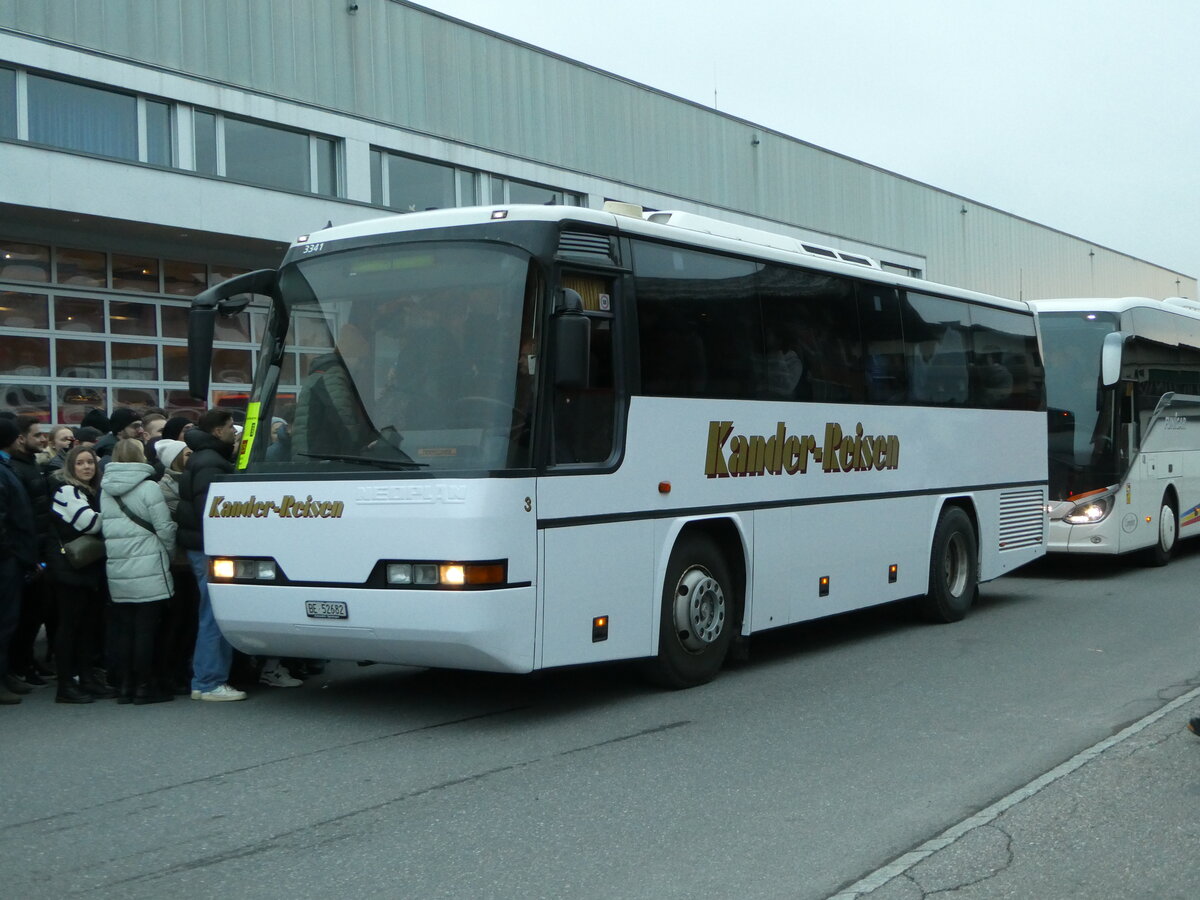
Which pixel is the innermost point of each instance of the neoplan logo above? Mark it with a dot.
(736, 455)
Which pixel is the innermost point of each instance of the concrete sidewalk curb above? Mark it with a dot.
(907, 861)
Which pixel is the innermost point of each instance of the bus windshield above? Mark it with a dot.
(1084, 452)
(417, 356)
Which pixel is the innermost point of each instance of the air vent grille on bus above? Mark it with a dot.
(579, 243)
(1022, 519)
(860, 260)
(819, 251)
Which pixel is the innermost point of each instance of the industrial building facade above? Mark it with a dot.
(150, 148)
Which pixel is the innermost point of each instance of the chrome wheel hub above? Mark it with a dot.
(699, 609)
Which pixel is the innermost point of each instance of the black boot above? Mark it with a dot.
(97, 689)
(150, 692)
(125, 691)
(70, 692)
(16, 685)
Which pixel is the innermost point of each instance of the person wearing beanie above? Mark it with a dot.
(18, 553)
(86, 436)
(168, 454)
(123, 423)
(95, 418)
(176, 427)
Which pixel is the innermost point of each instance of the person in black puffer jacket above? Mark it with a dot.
(18, 556)
(211, 442)
(36, 599)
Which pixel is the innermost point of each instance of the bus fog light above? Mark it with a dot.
(425, 573)
(224, 568)
(265, 570)
(400, 573)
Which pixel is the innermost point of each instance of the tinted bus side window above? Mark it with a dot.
(937, 345)
(883, 343)
(699, 329)
(1007, 373)
(813, 346)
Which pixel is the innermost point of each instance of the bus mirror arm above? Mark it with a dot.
(227, 298)
(1110, 357)
(572, 341)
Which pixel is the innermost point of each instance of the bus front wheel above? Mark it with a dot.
(699, 615)
(953, 569)
(1168, 534)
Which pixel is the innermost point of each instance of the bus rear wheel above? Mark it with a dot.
(953, 569)
(1168, 534)
(699, 615)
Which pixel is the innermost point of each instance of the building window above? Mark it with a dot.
(134, 273)
(18, 310)
(184, 279)
(24, 262)
(899, 269)
(508, 190)
(204, 125)
(413, 184)
(410, 184)
(110, 329)
(258, 153)
(264, 155)
(78, 117)
(158, 133)
(84, 268)
(8, 103)
(324, 165)
(468, 188)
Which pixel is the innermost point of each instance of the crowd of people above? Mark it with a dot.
(102, 547)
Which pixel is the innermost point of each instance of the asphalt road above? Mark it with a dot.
(838, 747)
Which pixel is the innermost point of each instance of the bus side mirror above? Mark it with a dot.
(1110, 358)
(227, 298)
(572, 341)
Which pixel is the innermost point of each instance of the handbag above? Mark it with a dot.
(84, 550)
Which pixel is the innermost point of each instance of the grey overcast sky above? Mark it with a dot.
(1083, 115)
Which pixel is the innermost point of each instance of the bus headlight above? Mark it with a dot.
(447, 574)
(1090, 512)
(223, 568)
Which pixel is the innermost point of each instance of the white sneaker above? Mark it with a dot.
(278, 676)
(221, 692)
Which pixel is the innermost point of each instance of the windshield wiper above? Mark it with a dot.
(369, 460)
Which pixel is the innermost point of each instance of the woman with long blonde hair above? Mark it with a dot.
(79, 592)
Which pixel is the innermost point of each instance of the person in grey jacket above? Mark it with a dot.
(139, 538)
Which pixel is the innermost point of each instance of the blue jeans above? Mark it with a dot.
(213, 654)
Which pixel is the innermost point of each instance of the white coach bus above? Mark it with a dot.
(529, 437)
(1123, 390)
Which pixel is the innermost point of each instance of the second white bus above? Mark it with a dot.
(1123, 389)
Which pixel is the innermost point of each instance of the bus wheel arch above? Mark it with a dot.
(953, 564)
(703, 598)
(1160, 552)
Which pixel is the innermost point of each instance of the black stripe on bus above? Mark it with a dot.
(608, 518)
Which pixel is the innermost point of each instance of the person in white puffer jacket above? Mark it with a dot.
(139, 537)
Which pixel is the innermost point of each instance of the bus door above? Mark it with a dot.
(596, 562)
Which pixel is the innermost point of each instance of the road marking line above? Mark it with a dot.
(902, 864)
